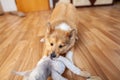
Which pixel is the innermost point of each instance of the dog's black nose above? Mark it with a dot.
(52, 55)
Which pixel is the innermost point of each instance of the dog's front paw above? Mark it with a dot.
(94, 78)
(85, 74)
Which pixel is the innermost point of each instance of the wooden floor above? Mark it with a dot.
(97, 50)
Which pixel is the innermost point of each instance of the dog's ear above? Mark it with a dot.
(72, 39)
(72, 34)
(49, 28)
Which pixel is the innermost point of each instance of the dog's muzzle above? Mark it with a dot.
(52, 55)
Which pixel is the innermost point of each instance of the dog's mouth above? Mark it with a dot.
(52, 55)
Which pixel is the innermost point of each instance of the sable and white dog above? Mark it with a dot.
(61, 32)
(60, 38)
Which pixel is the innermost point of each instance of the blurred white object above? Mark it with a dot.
(66, 1)
(81, 2)
(98, 2)
(8, 5)
(51, 3)
(1, 10)
(42, 40)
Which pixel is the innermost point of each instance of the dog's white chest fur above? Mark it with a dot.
(63, 26)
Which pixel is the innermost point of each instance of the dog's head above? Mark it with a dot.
(58, 41)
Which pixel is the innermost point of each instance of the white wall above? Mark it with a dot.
(8, 5)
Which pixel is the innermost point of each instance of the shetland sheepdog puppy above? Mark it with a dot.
(61, 33)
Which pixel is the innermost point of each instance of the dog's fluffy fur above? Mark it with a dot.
(62, 29)
(61, 32)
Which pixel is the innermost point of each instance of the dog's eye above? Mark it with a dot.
(60, 46)
(51, 44)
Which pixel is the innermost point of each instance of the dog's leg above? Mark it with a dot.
(94, 78)
(57, 76)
